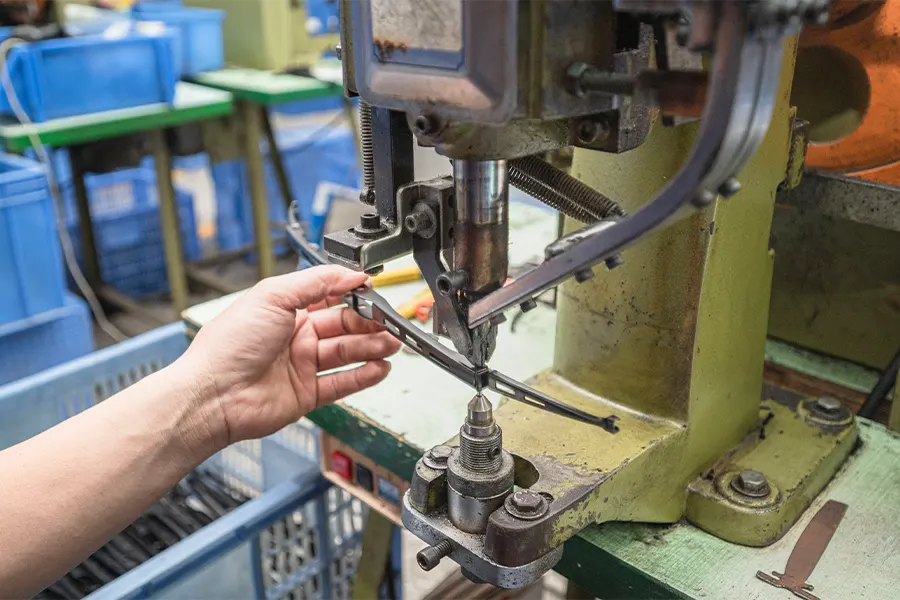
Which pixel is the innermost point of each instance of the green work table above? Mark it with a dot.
(419, 406)
(254, 91)
(192, 103)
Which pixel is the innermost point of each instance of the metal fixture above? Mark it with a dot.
(480, 473)
(430, 557)
(751, 483)
(829, 406)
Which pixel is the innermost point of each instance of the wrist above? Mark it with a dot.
(196, 403)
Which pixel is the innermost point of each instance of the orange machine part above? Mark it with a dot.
(870, 32)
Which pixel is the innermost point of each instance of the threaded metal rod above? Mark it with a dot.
(367, 146)
(561, 191)
(482, 455)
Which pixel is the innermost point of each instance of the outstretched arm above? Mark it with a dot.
(250, 372)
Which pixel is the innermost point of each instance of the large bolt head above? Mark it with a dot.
(526, 502)
(828, 405)
(440, 454)
(751, 483)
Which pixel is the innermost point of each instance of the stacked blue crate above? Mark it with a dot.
(72, 76)
(127, 230)
(197, 34)
(40, 325)
(310, 156)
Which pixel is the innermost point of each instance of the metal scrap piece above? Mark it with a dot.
(807, 552)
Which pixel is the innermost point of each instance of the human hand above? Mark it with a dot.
(257, 364)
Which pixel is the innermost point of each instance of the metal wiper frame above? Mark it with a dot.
(369, 304)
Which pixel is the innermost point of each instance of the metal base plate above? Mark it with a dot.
(468, 550)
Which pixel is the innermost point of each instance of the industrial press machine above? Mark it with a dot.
(680, 115)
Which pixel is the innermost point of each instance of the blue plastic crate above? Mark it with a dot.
(197, 34)
(310, 156)
(30, 345)
(322, 17)
(73, 76)
(127, 231)
(31, 275)
(297, 536)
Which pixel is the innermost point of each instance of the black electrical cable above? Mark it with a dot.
(882, 388)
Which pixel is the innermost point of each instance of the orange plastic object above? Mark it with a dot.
(869, 31)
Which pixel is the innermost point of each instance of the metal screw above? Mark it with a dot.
(416, 222)
(704, 198)
(425, 125)
(751, 483)
(430, 557)
(573, 78)
(339, 52)
(584, 275)
(529, 304)
(590, 131)
(451, 282)
(526, 504)
(440, 454)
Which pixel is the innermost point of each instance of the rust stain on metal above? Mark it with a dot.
(385, 49)
(806, 554)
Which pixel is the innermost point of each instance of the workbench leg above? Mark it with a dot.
(376, 550)
(169, 222)
(89, 260)
(252, 117)
(284, 185)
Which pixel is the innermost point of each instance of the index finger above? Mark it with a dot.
(300, 289)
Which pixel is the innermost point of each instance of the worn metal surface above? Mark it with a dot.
(836, 286)
(809, 549)
(796, 449)
(469, 553)
(848, 198)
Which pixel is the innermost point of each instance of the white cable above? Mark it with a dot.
(59, 209)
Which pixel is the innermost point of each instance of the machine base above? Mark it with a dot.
(798, 449)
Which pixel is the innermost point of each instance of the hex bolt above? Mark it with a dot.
(751, 483)
(829, 408)
(525, 504)
(528, 305)
(440, 454)
(584, 275)
(416, 222)
(703, 199)
(430, 557)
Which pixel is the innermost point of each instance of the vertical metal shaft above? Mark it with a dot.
(367, 149)
(481, 233)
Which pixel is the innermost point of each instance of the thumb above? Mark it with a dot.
(297, 290)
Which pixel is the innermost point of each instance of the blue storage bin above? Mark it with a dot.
(31, 273)
(298, 537)
(197, 41)
(127, 231)
(310, 156)
(73, 76)
(30, 345)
